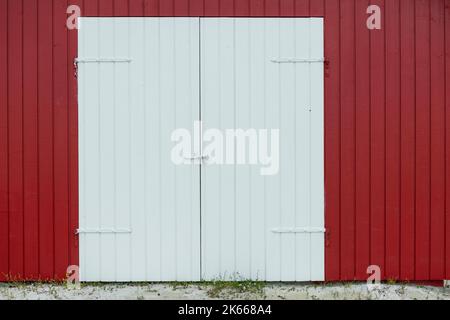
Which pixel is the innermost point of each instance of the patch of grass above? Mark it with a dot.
(182, 285)
(219, 287)
(216, 288)
(391, 281)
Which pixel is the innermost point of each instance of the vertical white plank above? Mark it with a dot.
(182, 104)
(122, 150)
(287, 148)
(106, 156)
(225, 81)
(187, 109)
(91, 150)
(210, 114)
(194, 94)
(272, 98)
(302, 149)
(82, 149)
(258, 106)
(317, 151)
(153, 175)
(168, 219)
(242, 121)
(138, 165)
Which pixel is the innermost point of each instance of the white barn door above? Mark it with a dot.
(139, 212)
(145, 218)
(264, 74)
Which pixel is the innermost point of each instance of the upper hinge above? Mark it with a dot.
(295, 60)
(97, 60)
(299, 230)
(101, 60)
(78, 231)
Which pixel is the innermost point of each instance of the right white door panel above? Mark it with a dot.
(253, 226)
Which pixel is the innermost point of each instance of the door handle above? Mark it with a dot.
(201, 158)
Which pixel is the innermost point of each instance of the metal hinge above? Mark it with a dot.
(97, 60)
(102, 231)
(101, 60)
(299, 230)
(295, 60)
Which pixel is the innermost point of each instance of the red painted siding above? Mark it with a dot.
(387, 131)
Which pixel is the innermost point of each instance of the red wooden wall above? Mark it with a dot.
(387, 148)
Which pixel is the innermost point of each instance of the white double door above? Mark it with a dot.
(143, 217)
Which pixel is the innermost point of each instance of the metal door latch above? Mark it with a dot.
(198, 158)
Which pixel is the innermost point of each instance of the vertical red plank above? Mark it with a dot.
(317, 8)
(437, 32)
(407, 144)
(347, 12)
(332, 140)
(422, 140)
(362, 143)
(30, 142)
(4, 194)
(196, 8)
(15, 134)
(447, 139)
(212, 8)
(287, 7)
(45, 140)
(166, 8)
(121, 7)
(151, 8)
(242, 8)
(272, 8)
(257, 8)
(181, 8)
(377, 154)
(60, 135)
(226, 8)
(392, 25)
(106, 8)
(300, 8)
(73, 138)
(91, 8)
(137, 7)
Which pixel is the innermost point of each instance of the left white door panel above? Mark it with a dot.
(138, 80)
